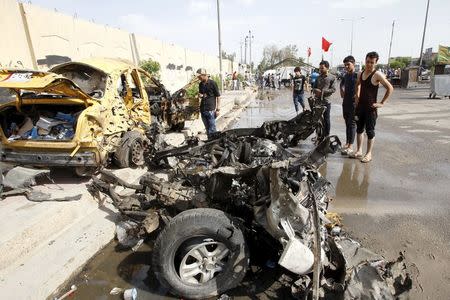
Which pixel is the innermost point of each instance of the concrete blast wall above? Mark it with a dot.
(38, 38)
(14, 51)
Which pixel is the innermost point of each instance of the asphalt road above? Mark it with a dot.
(399, 202)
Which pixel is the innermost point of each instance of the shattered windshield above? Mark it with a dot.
(90, 80)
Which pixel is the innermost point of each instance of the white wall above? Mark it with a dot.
(56, 37)
(14, 51)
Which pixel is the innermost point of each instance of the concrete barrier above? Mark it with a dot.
(38, 38)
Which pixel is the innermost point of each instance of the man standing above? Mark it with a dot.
(347, 89)
(324, 88)
(313, 78)
(298, 89)
(366, 92)
(234, 78)
(210, 101)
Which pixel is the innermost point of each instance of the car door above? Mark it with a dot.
(187, 97)
(158, 97)
(135, 97)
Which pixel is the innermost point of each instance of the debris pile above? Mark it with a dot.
(279, 199)
(243, 187)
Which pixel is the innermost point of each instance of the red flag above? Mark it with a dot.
(309, 51)
(325, 44)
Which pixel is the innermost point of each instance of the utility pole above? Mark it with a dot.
(220, 46)
(250, 37)
(332, 56)
(390, 44)
(352, 20)
(240, 43)
(245, 56)
(423, 36)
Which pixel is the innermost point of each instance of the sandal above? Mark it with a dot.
(366, 159)
(355, 155)
(344, 151)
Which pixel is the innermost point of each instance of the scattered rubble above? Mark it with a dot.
(216, 202)
(277, 200)
(19, 181)
(21, 177)
(239, 191)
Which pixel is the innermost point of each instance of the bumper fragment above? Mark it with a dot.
(51, 159)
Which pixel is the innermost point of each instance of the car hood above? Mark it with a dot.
(40, 82)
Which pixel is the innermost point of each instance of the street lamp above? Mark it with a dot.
(220, 46)
(390, 44)
(250, 37)
(351, 39)
(423, 36)
(245, 56)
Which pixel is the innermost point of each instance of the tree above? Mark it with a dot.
(231, 57)
(400, 62)
(396, 64)
(151, 66)
(272, 55)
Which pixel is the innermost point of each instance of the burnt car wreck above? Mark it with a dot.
(217, 203)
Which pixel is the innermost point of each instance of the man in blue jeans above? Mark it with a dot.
(210, 101)
(298, 89)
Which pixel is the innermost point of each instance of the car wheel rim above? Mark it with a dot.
(203, 262)
(137, 153)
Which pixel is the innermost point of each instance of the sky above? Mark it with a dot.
(193, 24)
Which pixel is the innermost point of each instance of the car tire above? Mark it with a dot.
(192, 231)
(130, 152)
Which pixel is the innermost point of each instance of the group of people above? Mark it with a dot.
(359, 92)
(271, 80)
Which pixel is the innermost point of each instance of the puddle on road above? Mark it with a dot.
(123, 269)
(127, 269)
(269, 105)
(352, 184)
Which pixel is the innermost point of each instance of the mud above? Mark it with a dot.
(398, 202)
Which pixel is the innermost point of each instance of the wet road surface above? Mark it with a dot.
(398, 202)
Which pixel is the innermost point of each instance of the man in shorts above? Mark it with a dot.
(366, 92)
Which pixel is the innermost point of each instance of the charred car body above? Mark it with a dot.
(81, 114)
(239, 193)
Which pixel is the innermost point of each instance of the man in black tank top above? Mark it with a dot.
(366, 113)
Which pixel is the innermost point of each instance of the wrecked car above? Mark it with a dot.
(215, 203)
(81, 114)
(171, 110)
